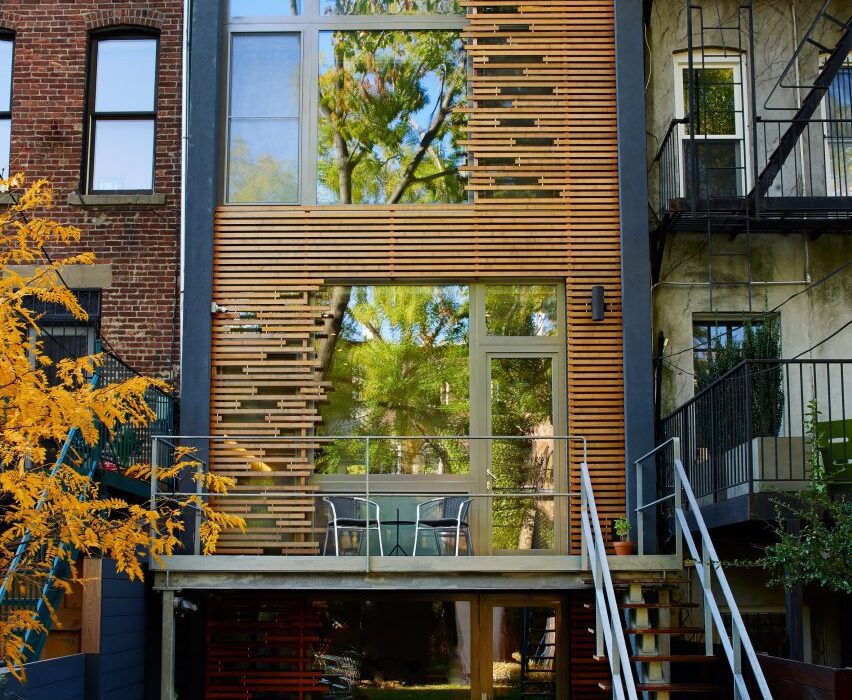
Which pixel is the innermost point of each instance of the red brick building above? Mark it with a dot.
(92, 91)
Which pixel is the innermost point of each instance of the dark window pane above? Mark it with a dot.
(5, 140)
(6, 52)
(263, 161)
(265, 75)
(389, 129)
(389, 7)
(715, 107)
(126, 75)
(719, 168)
(264, 8)
(123, 156)
(60, 342)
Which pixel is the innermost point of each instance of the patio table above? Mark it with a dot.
(398, 550)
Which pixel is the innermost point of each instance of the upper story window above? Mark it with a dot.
(718, 123)
(837, 112)
(345, 102)
(122, 113)
(7, 52)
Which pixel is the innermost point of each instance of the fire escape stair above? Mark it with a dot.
(810, 104)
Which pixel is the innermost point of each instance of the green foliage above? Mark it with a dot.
(622, 528)
(819, 552)
(761, 341)
(389, 129)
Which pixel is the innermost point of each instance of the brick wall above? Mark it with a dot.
(48, 109)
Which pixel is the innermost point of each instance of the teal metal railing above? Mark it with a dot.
(126, 446)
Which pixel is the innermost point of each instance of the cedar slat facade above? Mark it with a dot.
(543, 176)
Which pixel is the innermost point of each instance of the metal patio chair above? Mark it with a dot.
(351, 514)
(444, 516)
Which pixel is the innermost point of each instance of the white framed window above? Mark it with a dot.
(720, 148)
(7, 54)
(837, 133)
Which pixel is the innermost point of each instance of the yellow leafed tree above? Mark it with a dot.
(51, 509)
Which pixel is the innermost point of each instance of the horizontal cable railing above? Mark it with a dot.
(748, 430)
(513, 491)
(707, 568)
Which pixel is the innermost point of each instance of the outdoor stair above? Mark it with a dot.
(651, 605)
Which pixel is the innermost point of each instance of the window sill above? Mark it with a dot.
(76, 199)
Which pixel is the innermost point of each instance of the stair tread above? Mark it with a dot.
(671, 658)
(634, 606)
(663, 630)
(671, 687)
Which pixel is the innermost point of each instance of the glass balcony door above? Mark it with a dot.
(525, 467)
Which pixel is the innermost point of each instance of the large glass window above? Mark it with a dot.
(7, 50)
(715, 114)
(345, 102)
(263, 125)
(406, 360)
(387, 128)
(122, 113)
(397, 365)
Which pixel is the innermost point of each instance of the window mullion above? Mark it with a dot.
(310, 115)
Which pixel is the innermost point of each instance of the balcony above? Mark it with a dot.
(750, 435)
(402, 508)
(697, 178)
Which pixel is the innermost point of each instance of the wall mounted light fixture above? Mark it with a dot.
(597, 303)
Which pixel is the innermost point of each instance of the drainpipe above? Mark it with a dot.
(184, 148)
(798, 92)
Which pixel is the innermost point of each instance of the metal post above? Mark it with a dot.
(737, 648)
(584, 547)
(678, 498)
(707, 585)
(199, 478)
(367, 498)
(167, 650)
(155, 464)
(640, 503)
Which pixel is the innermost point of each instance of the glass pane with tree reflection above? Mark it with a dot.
(520, 309)
(522, 405)
(389, 7)
(396, 360)
(389, 127)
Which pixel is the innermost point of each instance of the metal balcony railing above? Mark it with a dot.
(749, 430)
(386, 496)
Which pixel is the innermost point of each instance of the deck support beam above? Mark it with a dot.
(167, 647)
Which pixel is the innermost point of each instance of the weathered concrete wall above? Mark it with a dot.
(782, 264)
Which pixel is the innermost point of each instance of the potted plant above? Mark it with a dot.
(622, 530)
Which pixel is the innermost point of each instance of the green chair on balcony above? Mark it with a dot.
(835, 446)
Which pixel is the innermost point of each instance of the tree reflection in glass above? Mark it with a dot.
(389, 127)
(397, 364)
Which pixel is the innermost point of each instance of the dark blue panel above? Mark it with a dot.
(54, 679)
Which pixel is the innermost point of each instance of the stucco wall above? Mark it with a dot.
(782, 263)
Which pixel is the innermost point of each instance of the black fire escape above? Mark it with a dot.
(792, 169)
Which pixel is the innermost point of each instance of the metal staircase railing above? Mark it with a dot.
(23, 594)
(610, 632)
(707, 564)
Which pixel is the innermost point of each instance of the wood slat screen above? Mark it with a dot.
(543, 177)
